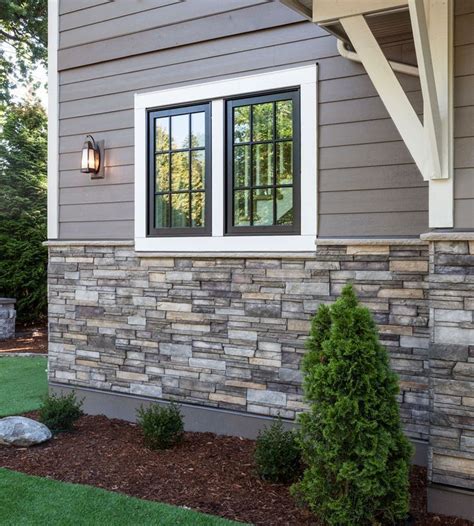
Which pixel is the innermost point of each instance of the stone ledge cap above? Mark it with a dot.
(448, 236)
(369, 241)
(7, 301)
(94, 243)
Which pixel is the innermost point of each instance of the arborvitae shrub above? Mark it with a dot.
(60, 412)
(351, 438)
(277, 454)
(162, 425)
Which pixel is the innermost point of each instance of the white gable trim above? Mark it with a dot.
(303, 77)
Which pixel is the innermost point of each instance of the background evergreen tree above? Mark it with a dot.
(23, 259)
(357, 455)
(23, 43)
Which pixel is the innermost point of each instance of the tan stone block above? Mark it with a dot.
(454, 464)
(245, 385)
(157, 262)
(408, 266)
(87, 363)
(299, 325)
(126, 375)
(471, 247)
(359, 250)
(265, 362)
(220, 397)
(400, 293)
(157, 277)
(259, 296)
(395, 329)
(468, 401)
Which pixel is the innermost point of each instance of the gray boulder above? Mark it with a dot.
(22, 432)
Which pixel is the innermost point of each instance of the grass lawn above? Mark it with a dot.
(27, 500)
(22, 384)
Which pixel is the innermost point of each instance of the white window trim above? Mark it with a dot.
(305, 78)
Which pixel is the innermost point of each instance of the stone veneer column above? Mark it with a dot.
(451, 298)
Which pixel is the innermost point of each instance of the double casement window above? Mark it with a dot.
(228, 166)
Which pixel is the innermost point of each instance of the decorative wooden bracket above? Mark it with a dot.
(430, 143)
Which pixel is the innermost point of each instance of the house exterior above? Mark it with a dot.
(256, 156)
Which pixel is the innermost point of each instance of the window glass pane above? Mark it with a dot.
(242, 124)
(198, 126)
(263, 164)
(263, 121)
(284, 204)
(162, 206)
(263, 207)
(180, 210)
(241, 166)
(179, 132)
(162, 134)
(242, 208)
(284, 119)
(162, 169)
(197, 209)
(284, 162)
(180, 171)
(198, 169)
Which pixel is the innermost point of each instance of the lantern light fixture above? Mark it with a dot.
(91, 162)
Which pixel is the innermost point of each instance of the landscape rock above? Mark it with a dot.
(22, 432)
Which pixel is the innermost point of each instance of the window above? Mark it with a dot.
(256, 136)
(263, 164)
(179, 171)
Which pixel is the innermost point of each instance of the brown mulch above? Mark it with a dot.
(28, 339)
(209, 473)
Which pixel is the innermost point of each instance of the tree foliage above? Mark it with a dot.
(352, 441)
(23, 37)
(23, 259)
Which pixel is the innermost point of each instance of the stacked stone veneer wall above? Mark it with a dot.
(7, 318)
(452, 363)
(228, 332)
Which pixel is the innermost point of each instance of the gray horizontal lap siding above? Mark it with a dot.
(464, 115)
(369, 185)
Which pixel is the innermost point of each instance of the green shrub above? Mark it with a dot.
(162, 425)
(352, 442)
(60, 412)
(277, 454)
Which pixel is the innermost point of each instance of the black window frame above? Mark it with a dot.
(156, 113)
(258, 98)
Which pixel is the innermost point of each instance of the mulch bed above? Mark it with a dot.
(28, 339)
(209, 473)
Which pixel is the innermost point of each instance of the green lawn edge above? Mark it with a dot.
(23, 383)
(27, 500)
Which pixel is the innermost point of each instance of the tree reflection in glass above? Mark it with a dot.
(180, 170)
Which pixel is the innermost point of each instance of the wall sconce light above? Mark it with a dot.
(92, 158)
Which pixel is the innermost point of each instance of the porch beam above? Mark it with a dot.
(390, 91)
(325, 11)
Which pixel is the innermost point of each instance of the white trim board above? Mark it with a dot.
(303, 77)
(53, 120)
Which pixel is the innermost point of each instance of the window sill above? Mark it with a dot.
(273, 243)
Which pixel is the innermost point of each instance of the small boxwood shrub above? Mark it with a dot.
(162, 425)
(352, 441)
(59, 413)
(277, 455)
